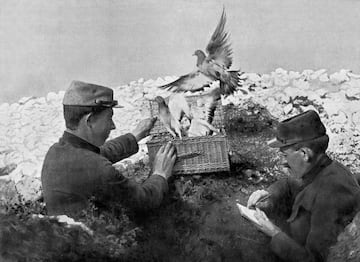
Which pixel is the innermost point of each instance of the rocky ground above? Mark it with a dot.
(199, 215)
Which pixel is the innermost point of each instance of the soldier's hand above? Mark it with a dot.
(257, 196)
(142, 130)
(265, 225)
(164, 160)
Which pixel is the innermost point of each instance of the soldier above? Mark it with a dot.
(79, 166)
(319, 197)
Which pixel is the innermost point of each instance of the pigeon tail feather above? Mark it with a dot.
(229, 87)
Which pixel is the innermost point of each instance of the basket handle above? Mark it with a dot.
(189, 155)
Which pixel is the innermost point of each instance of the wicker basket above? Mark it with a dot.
(205, 154)
(196, 108)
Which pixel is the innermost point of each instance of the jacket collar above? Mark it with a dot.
(306, 199)
(79, 142)
(320, 164)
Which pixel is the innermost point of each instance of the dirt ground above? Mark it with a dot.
(199, 221)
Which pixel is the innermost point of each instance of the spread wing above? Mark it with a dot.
(218, 48)
(193, 82)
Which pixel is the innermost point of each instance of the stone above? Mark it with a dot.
(288, 108)
(321, 92)
(356, 119)
(306, 74)
(339, 77)
(281, 77)
(294, 75)
(61, 94)
(29, 188)
(8, 192)
(301, 84)
(51, 96)
(25, 99)
(352, 93)
(353, 76)
(293, 92)
(317, 74)
(6, 170)
(253, 78)
(340, 118)
(324, 78)
(149, 82)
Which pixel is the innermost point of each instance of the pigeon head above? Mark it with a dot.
(200, 57)
(159, 100)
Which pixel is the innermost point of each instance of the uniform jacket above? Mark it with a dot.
(322, 202)
(75, 170)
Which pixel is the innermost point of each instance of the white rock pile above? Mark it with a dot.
(30, 126)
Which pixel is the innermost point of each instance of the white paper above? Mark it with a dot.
(248, 213)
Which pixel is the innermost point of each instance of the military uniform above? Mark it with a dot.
(74, 170)
(322, 202)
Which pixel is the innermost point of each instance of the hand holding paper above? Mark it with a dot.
(248, 213)
(259, 219)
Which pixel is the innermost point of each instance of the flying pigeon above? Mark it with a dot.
(212, 67)
(171, 124)
(210, 101)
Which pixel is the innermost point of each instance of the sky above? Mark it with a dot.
(44, 45)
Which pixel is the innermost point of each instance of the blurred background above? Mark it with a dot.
(46, 44)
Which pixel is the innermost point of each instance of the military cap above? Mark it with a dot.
(85, 94)
(300, 128)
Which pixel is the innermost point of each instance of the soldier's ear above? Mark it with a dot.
(88, 119)
(307, 154)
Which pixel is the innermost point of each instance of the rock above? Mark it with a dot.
(294, 75)
(50, 97)
(293, 92)
(306, 74)
(281, 77)
(353, 76)
(339, 77)
(356, 119)
(282, 97)
(317, 74)
(8, 192)
(29, 188)
(301, 84)
(324, 78)
(267, 80)
(340, 118)
(6, 170)
(288, 108)
(253, 78)
(352, 93)
(321, 92)
(25, 100)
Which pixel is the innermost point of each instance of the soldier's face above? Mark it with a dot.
(294, 160)
(101, 126)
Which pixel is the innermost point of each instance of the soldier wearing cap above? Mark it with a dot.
(79, 166)
(318, 198)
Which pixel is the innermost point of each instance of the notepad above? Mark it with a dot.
(248, 213)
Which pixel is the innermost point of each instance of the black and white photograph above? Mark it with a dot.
(180, 130)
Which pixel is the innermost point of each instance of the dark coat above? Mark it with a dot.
(323, 202)
(75, 170)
